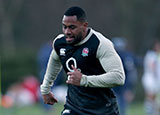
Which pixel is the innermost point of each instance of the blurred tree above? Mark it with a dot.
(25, 25)
(9, 9)
(153, 25)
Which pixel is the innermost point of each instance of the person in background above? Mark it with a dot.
(151, 79)
(125, 93)
(92, 65)
(24, 92)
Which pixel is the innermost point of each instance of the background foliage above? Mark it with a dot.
(25, 25)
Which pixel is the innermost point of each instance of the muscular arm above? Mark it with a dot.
(112, 65)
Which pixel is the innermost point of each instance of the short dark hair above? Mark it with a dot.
(76, 11)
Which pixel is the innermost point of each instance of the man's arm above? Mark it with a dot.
(112, 65)
(52, 70)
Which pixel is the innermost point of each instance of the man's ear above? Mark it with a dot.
(85, 24)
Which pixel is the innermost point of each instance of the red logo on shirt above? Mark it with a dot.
(85, 52)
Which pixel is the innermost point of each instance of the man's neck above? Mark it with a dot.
(86, 33)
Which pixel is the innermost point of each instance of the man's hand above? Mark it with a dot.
(74, 77)
(49, 98)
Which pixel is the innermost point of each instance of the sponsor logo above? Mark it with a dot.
(72, 61)
(74, 64)
(62, 51)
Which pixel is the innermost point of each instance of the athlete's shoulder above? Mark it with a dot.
(102, 39)
(105, 45)
(58, 39)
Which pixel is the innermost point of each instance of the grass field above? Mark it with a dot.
(134, 109)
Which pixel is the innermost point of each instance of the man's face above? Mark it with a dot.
(74, 30)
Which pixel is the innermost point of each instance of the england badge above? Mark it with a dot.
(85, 52)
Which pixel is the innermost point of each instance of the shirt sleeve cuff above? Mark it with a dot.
(84, 81)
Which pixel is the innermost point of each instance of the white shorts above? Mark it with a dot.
(150, 84)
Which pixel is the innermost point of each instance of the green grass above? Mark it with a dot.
(31, 110)
(134, 109)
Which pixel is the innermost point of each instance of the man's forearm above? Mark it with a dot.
(110, 79)
(53, 68)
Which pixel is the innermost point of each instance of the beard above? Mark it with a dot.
(74, 39)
